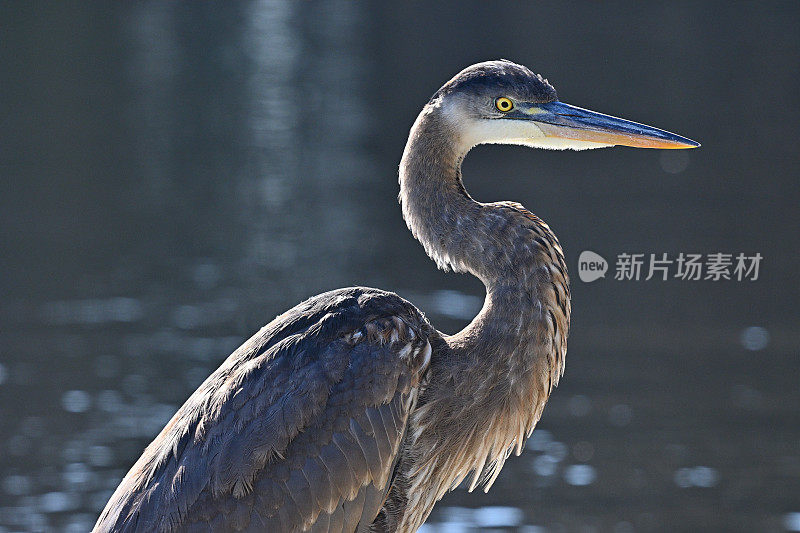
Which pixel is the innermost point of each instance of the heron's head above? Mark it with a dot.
(501, 102)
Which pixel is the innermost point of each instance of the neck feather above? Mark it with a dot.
(510, 250)
(508, 359)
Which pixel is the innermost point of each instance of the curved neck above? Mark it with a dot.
(511, 251)
(489, 387)
(436, 206)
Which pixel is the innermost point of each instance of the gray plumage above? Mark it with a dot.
(350, 412)
(299, 427)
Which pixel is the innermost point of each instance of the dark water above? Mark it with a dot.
(174, 176)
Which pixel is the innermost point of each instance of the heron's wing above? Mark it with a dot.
(299, 429)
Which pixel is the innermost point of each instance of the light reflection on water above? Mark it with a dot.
(291, 142)
(92, 311)
(791, 521)
(489, 518)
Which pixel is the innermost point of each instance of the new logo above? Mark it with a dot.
(591, 266)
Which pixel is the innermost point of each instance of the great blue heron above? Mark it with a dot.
(350, 412)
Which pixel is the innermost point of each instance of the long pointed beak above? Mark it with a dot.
(557, 119)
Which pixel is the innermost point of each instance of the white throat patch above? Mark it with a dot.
(521, 132)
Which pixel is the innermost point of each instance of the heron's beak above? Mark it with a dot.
(557, 119)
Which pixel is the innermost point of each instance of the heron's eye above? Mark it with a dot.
(504, 104)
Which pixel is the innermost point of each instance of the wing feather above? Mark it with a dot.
(353, 510)
(337, 520)
(322, 525)
(298, 430)
(368, 447)
(380, 434)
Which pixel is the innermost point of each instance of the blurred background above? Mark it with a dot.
(172, 176)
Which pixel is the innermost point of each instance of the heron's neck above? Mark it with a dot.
(487, 391)
(512, 252)
(436, 206)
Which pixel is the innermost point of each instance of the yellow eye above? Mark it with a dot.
(504, 104)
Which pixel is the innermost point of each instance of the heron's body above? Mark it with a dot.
(350, 412)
